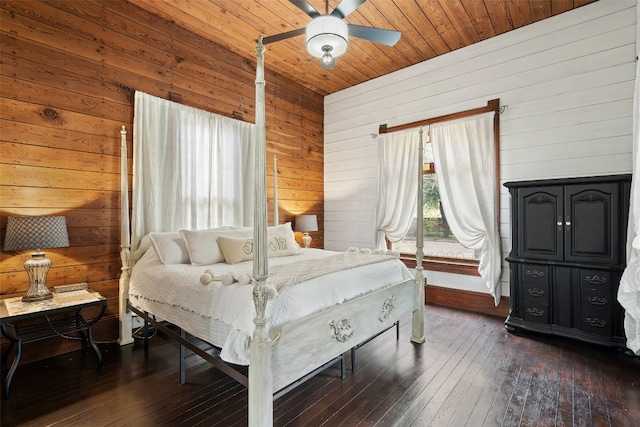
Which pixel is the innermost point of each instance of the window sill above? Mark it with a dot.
(445, 265)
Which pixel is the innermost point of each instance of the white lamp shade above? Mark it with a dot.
(306, 223)
(327, 30)
(36, 232)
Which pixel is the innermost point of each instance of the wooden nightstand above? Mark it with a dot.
(65, 313)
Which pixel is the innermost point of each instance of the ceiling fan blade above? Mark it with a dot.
(305, 7)
(346, 7)
(377, 35)
(282, 36)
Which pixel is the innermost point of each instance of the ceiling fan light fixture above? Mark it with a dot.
(327, 30)
(328, 61)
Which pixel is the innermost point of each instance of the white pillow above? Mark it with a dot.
(283, 230)
(202, 245)
(170, 247)
(145, 243)
(238, 249)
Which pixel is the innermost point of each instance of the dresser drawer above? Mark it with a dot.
(596, 322)
(535, 302)
(534, 273)
(534, 293)
(595, 280)
(538, 313)
(597, 302)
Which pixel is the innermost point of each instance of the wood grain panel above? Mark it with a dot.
(63, 257)
(21, 111)
(479, 18)
(466, 300)
(34, 176)
(40, 93)
(498, 16)
(69, 73)
(14, 283)
(429, 28)
(39, 156)
(37, 134)
(470, 369)
(457, 13)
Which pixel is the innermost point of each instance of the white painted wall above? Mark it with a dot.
(568, 83)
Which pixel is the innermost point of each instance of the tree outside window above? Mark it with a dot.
(439, 241)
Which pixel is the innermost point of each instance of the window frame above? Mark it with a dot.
(443, 264)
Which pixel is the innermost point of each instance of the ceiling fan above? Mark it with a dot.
(328, 35)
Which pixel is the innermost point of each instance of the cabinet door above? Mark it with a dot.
(540, 223)
(591, 223)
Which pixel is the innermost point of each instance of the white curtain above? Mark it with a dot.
(464, 157)
(629, 290)
(191, 169)
(397, 185)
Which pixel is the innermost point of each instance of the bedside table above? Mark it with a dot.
(66, 312)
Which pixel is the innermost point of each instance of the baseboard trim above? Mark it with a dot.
(466, 300)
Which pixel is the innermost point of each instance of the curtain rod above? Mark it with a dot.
(492, 105)
(177, 98)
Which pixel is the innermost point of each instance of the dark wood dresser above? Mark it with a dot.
(568, 240)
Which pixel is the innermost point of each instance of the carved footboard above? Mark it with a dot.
(300, 347)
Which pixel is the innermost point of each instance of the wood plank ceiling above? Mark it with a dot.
(429, 28)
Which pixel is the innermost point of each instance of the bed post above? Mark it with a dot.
(275, 192)
(417, 325)
(260, 373)
(125, 254)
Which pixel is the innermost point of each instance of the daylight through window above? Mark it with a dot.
(439, 241)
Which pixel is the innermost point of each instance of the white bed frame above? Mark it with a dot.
(282, 355)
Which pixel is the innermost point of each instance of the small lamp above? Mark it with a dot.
(36, 232)
(305, 224)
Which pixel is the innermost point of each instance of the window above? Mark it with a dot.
(198, 168)
(442, 250)
(489, 253)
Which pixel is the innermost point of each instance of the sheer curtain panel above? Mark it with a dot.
(629, 290)
(465, 163)
(198, 169)
(397, 185)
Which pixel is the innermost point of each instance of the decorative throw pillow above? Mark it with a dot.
(238, 249)
(145, 243)
(170, 247)
(283, 230)
(282, 245)
(202, 246)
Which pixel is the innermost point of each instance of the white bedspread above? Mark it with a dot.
(179, 286)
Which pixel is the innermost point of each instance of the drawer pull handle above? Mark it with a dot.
(596, 323)
(535, 292)
(597, 300)
(535, 312)
(596, 280)
(535, 274)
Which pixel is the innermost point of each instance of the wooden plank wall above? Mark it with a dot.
(568, 83)
(68, 71)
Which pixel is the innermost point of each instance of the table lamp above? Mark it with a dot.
(36, 232)
(305, 224)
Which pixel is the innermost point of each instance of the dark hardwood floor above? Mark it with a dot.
(470, 371)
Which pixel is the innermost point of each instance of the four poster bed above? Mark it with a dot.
(288, 322)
